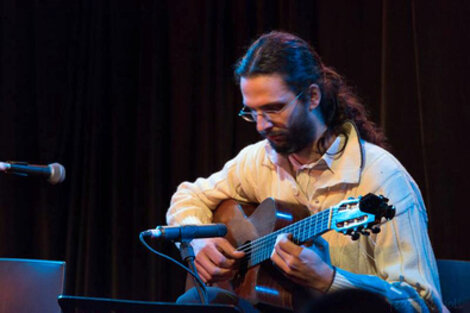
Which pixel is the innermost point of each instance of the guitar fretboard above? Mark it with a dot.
(260, 249)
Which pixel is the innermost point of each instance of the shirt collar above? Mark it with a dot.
(345, 164)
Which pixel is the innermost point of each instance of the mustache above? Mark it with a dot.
(273, 133)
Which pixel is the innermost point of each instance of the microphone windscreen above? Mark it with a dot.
(57, 173)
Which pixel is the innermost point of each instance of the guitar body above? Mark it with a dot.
(262, 284)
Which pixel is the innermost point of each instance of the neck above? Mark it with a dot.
(310, 153)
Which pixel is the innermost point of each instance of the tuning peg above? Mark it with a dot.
(375, 229)
(384, 198)
(390, 212)
(365, 232)
(355, 235)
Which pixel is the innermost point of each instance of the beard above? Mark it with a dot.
(297, 136)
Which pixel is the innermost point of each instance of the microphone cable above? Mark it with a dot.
(187, 269)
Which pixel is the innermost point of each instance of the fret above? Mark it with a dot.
(302, 231)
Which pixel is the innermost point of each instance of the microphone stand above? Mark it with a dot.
(187, 254)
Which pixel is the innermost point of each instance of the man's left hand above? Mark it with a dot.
(302, 265)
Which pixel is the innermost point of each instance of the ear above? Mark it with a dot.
(315, 96)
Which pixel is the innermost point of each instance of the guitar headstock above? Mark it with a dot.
(357, 216)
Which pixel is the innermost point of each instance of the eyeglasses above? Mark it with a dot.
(251, 116)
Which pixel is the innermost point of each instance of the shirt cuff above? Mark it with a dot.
(339, 282)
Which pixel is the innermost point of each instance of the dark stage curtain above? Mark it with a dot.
(134, 97)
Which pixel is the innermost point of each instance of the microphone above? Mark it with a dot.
(54, 173)
(186, 232)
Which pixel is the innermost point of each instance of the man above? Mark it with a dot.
(319, 149)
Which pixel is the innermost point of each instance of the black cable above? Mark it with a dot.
(201, 283)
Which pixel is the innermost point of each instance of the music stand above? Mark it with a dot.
(74, 304)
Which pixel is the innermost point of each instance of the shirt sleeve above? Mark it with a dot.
(193, 203)
(403, 256)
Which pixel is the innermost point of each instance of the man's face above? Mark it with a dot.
(288, 131)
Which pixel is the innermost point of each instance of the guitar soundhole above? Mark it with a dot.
(237, 280)
(242, 269)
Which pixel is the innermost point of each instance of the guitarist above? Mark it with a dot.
(319, 149)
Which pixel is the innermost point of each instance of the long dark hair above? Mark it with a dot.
(300, 66)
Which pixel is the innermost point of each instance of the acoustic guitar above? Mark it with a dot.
(254, 230)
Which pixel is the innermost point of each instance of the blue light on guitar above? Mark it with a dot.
(267, 290)
(284, 216)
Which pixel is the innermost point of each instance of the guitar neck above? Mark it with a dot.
(260, 249)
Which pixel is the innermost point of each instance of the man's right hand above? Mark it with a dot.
(215, 259)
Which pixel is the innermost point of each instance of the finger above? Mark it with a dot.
(219, 259)
(279, 262)
(202, 273)
(282, 237)
(222, 255)
(291, 261)
(284, 243)
(277, 250)
(288, 270)
(229, 250)
(281, 257)
(282, 253)
(208, 278)
(211, 271)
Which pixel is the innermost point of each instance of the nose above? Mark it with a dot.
(262, 123)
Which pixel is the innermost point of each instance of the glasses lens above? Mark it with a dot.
(247, 114)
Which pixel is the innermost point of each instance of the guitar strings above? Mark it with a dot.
(260, 249)
(295, 230)
(364, 249)
(263, 248)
